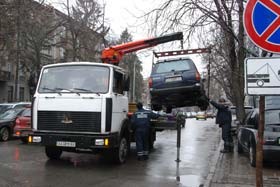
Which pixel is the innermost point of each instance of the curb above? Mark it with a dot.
(213, 167)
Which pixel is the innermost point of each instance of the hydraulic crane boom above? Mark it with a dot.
(114, 54)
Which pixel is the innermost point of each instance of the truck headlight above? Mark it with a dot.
(102, 141)
(37, 139)
(99, 141)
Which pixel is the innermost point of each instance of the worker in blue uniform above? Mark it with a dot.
(141, 125)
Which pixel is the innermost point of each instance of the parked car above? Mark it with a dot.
(235, 123)
(201, 115)
(7, 123)
(7, 106)
(23, 125)
(176, 83)
(247, 135)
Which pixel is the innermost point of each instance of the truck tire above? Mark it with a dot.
(53, 153)
(120, 153)
(4, 134)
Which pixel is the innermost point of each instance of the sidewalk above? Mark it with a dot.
(234, 170)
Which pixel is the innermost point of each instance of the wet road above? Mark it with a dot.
(27, 165)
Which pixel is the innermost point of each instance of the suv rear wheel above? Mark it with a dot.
(156, 107)
(168, 109)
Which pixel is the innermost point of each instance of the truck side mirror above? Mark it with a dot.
(126, 84)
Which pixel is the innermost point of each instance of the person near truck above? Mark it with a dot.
(224, 118)
(141, 125)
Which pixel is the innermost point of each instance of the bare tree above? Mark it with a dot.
(87, 30)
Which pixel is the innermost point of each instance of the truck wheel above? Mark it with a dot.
(53, 153)
(120, 153)
(169, 109)
(4, 134)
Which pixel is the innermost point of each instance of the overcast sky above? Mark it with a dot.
(121, 14)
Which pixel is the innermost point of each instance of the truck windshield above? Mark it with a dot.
(75, 79)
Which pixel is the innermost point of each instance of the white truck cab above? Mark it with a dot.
(81, 107)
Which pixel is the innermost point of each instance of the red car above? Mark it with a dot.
(23, 125)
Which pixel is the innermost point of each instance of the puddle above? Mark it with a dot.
(191, 181)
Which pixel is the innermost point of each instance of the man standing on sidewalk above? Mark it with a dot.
(223, 118)
(141, 125)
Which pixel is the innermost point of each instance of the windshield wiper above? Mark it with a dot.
(71, 91)
(83, 89)
(86, 90)
(51, 89)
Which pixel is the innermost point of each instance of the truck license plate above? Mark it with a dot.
(173, 79)
(65, 144)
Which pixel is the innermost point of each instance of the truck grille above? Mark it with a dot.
(69, 121)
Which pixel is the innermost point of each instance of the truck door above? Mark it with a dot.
(120, 101)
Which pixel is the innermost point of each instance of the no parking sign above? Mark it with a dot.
(262, 23)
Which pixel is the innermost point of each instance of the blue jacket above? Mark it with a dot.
(141, 119)
(223, 114)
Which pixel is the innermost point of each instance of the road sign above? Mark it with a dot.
(262, 23)
(262, 76)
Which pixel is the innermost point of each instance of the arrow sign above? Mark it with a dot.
(262, 23)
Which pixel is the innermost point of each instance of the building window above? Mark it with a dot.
(21, 93)
(10, 93)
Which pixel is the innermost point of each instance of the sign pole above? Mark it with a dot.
(259, 151)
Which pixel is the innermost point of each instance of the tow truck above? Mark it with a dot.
(83, 106)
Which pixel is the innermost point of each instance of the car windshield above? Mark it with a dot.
(4, 108)
(272, 117)
(175, 65)
(26, 112)
(75, 79)
(10, 114)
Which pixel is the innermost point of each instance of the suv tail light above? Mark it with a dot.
(197, 76)
(150, 82)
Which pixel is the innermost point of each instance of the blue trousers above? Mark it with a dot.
(142, 141)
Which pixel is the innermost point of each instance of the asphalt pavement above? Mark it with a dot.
(202, 164)
(27, 165)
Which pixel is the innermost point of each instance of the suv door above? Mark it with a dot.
(250, 128)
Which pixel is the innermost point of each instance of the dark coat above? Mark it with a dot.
(223, 114)
(141, 119)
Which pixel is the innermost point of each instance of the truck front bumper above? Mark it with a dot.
(75, 141)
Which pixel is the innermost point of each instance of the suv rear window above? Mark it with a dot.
(175, 65)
